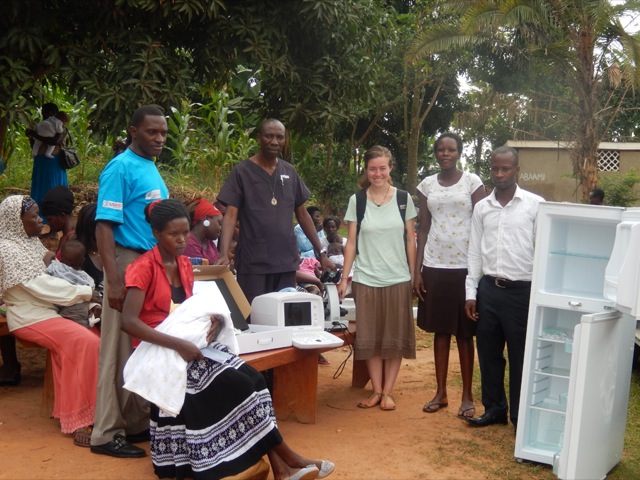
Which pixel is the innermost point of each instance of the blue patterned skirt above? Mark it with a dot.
(226, 425)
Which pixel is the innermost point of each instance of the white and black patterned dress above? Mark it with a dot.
(226, 425)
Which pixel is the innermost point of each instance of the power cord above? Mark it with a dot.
(349, 338)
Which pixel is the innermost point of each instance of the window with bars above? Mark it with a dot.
(608, 160)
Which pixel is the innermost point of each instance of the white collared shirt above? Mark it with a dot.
(502, 238)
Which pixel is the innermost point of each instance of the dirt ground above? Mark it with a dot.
(364, 444)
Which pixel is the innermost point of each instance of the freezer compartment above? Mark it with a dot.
(555, 325)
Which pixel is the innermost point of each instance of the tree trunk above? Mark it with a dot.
(478, 154)
(4, 124)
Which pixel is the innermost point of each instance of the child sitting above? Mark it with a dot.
(69, 268)
(335, 252)
(308, 275)
(49, 127)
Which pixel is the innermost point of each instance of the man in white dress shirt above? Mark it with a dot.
(499, 275)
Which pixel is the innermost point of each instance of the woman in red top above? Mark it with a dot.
(227, 423)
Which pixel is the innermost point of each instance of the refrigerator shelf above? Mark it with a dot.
(548, 405)
(564, 253)
(556, 334)
(569, 297)
(552, 371)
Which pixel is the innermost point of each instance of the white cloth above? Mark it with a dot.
(450, 208)
(159, 374)
(502, 239)
(49, 127)
(65, 272)
(337, 260)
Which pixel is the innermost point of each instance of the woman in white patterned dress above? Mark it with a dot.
(446, 204)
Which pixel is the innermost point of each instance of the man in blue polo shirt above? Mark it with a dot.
(127, 184)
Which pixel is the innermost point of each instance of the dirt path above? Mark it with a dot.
(365, 444)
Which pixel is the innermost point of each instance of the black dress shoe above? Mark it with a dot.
(119, 447)
(143, 436)
(487, 419)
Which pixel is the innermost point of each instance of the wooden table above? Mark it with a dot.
(295, 380)
(295, 377)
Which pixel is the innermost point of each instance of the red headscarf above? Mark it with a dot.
(203, 209)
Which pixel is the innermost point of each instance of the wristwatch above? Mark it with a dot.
(324, 250)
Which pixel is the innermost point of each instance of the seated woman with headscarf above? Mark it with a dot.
(206, 221)
(30, 295)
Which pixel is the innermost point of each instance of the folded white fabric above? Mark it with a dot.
(159, 374)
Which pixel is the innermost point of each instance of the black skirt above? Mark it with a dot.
(443, 308)
(226, 424)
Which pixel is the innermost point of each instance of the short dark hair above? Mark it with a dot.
(158, 214)
(72, 251)
(312, 209)
(331, 218)
(57, 201)
(509, 150)
(597, 193)
(138, 116)
(455, 136)
(48, 109)
(267, 122)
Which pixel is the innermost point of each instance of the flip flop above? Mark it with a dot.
(376, 398)
(384, 403)
(463, 413)
(433, 407)
(82, 437)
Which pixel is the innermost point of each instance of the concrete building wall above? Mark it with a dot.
(546, 167)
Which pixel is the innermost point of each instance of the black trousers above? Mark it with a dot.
(503, 319)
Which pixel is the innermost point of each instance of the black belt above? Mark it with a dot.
(505, 283)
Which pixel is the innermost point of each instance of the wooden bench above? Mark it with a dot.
(48, 396)
(295, 376)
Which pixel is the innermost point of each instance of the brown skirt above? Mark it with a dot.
(443, 308)
(384, 321)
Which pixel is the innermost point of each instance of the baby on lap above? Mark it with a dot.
(69, 268)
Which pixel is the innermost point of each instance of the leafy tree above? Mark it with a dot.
(313, 59)
(581, 45)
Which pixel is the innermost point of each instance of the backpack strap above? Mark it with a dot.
(361, 205)
(402, 196)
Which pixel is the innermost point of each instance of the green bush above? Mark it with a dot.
(620, 188)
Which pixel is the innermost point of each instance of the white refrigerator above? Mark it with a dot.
(580, 339)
